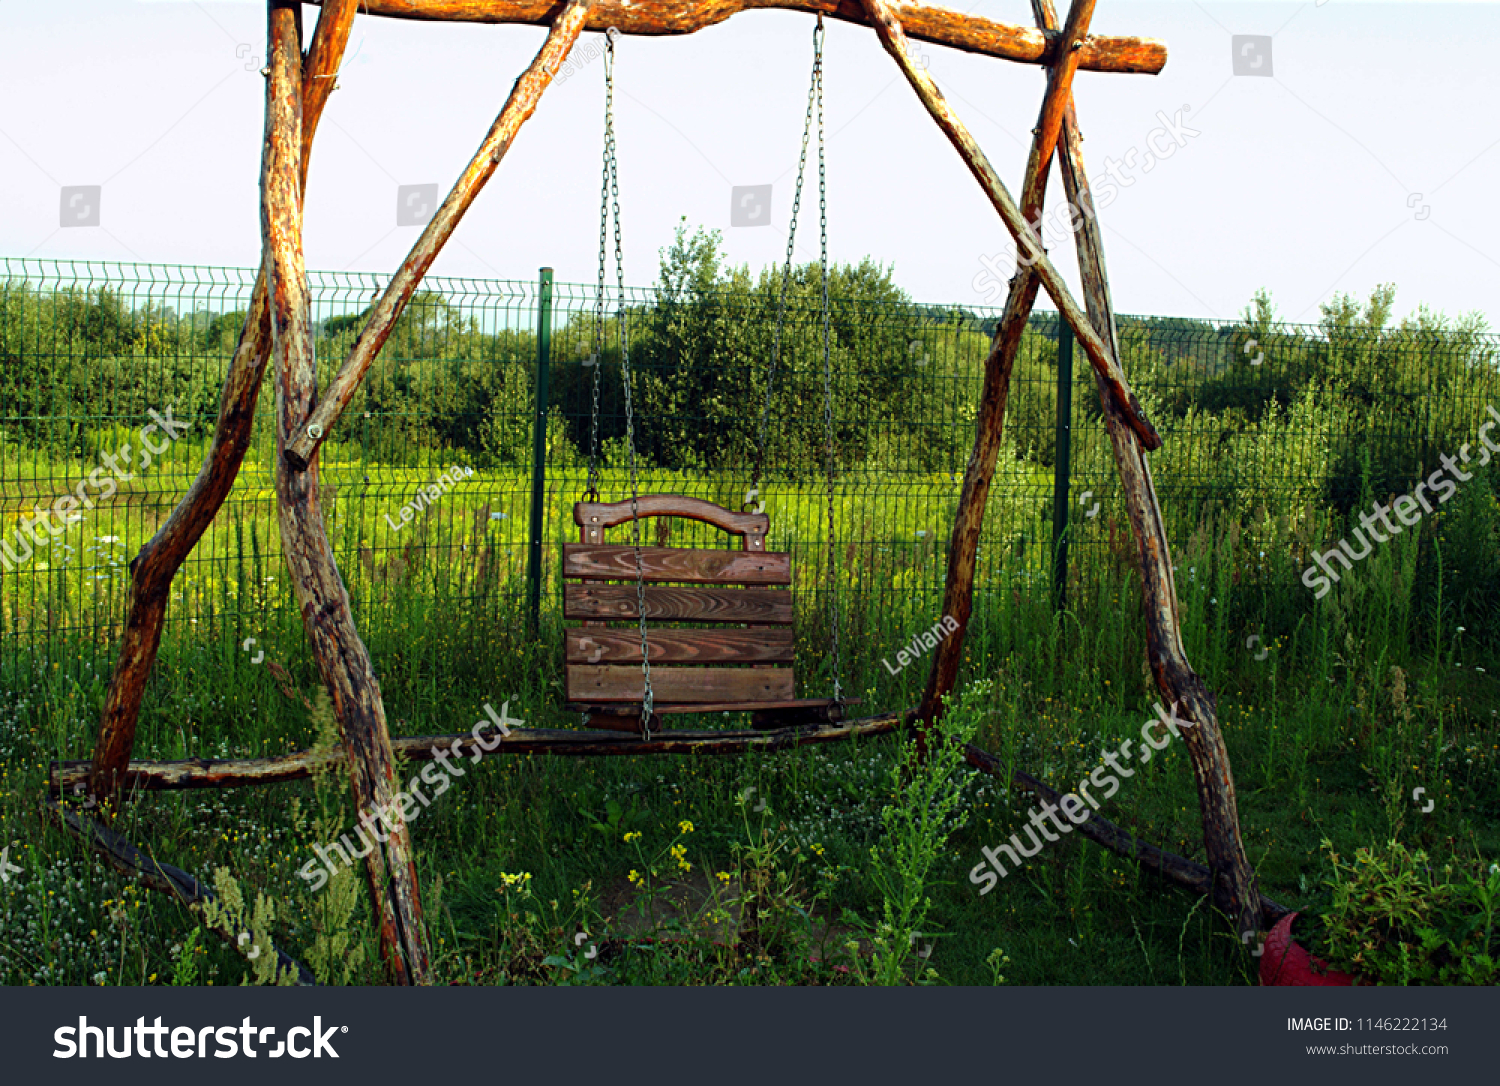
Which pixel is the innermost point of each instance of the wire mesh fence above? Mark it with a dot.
(110, 378)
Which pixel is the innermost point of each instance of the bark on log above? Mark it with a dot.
(66, 777)
(522, 103)
(127, 859)
(343, 661)
(958, 591)
(1184, 872)
(154, 568)
(1174, 675)
(938, 25)
(1104, 363)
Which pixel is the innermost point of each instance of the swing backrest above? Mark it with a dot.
(740, 599)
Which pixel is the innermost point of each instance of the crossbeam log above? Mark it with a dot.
(941, 26)
(1177, 869)
(196, 773)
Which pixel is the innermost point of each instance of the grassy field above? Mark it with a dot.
(753, 869)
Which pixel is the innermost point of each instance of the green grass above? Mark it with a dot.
(1327, 740)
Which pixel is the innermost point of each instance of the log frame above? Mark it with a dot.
(297, 92)
(1234, 879)
(930, 23)
(343, 661)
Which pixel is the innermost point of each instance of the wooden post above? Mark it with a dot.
(1234, 887)
(989, 426)
(343, 661)
(152, 570)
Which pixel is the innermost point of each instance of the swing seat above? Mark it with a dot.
(739, 659)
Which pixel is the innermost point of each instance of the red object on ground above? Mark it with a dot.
(1284, 962)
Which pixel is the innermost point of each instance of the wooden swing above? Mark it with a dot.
(732, 663)
(742, 662)
(277, 335)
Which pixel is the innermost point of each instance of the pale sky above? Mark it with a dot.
(1368, 155)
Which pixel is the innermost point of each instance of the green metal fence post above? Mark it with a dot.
(1061, 462)
(539, 448)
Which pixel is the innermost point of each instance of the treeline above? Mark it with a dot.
(700, 347)
(1255, 409)
(1248, 408)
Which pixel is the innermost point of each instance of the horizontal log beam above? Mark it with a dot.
(957, 30)
(237, 772)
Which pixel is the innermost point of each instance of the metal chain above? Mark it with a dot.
(791, 240)
(833, 581)
(648, 699)
(591, 490)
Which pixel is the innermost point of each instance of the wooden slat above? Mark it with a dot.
(677, 564)
(609, 514)
(680, 685)
(627, 721)
(770, 606)
(593, 645)
(659, 709)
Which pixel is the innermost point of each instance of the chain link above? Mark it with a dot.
(791, 240)
(591, 490)
(622, 332)
(609, 207)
